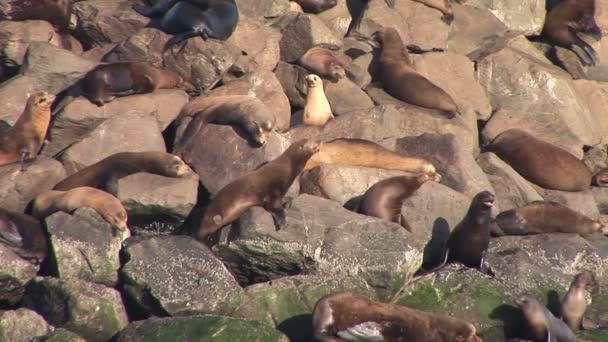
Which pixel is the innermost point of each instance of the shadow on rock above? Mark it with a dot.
(297, 328)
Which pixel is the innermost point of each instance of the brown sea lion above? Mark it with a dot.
(265, 187)
(245, 112)
(541, 217)
(122, 164)
(316, 6)
(401, 80)
(107, 81)
(323, 62)
(574, 303)
(542, 325)
(443, 6)
(56, 12)
(346, 316)
(317, 110)
(566, 20)
(24, 235)
(23, 141)
(600, 178)
(540, 162)
(385, 198)
(108, 206)
(359, 152)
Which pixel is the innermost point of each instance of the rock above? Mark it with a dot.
(527, 16)
(511, 189)
(22, 325)
(568, 60)
(473, 28)
(18, 188)
(85, 246)
(258, 41)
(595, 95)
(263, 10)
(345, 96)
(15, 273)
(16, 36)
(340, 17)
(14, 94)
(56, 74)
(97, 54)
(102, 22)
(145, 45)
(596, 158)
(61, 335)
(80, 117)
(301, 31)
(293, 81)
(320, 237)
(177, 275)
(130, 132)
(199, 328)
(600, 196)
(93, 311)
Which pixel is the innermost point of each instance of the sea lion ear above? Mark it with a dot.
(217, 219)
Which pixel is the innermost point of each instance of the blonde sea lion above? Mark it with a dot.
(317, 110)
(323, 62)
(574, 303)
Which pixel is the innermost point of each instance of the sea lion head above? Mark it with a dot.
(337, 72)
(532, 311)
(116, 216)
(484, 200)
(586, 280)
(305, 147)
(42, 99)
(313, 81)
(176, 167)
(259, 130)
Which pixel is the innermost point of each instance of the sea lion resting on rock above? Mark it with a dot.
(540, 162)
(401, 80)
(574, 303)
(547, 217)
(23, 141)
(542, 325)
(265, 187)
(346, 316)
(359, 152)
(108, 206)
(322, 62)
(317, 110)
(443, 6)
(24, 235)
(123, 164)
(107, 81)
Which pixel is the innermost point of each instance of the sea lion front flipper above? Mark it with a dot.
(588, 50)
(366, 331)
(26, 156)
(390, 3)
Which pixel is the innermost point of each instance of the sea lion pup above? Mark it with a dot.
(402, 81)
(385, 198)
(24, 235)
(108, 206)
(122, 164)
(322, 62)
(317, 110)
(574, 303)
(23, 141)
(547, 217)
(346, 316)
(542, 325)
(316, 6)
(540, 162)
(443, 6)
(359, 152)
(190, 18)
(265, 187)
(600, 178)
(107, 81)
(563, 23)
(245, 112)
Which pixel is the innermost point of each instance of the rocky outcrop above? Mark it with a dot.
(22, 325)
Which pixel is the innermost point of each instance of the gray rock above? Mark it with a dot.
(60, 335)
(180, 275)
(97, 54)
(595, 96)
(145, 45)
(259, 41)
(18, 188)
(14, 94)
(16, 36)
(345, 96)
(85, 246)
(15, 273)
(22, 325)
(600, 195)
(93, 311)
(527, 16)
(583, 202)
(293, 81)
(263, 10)
(339, 17)
(473, 28)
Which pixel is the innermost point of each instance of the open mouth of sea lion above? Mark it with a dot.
(488, 203)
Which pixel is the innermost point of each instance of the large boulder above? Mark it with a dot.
(473, 28)
(14, 94)
(527, 16)
(263, 9)
(258, 41)
(344, 96)
(145, 45)
(22, 325)
(15, 273)
(16, 36)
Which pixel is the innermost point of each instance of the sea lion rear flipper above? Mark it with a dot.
(390, 3)
(201, 30)
(588, 51)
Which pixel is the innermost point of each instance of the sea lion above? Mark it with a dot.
(265, 187)
(540, 162)
(245, 112)
(359, 152)
(108, 206)
(574, 302)
(566, 20)
(317, 110)
(542, 325)
(24, 235)
(322, 62)
(600, 178)
(23, 141)
(443, 6)
(385, 198)
(401, 80)
(190, 18)
(122, 164)
(316, 6)
(541, 217)
(56, 12)
(107, 81)
(346, 316)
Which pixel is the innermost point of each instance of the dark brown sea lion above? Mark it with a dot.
(107, 81)
(265, 187)
(574, 303)
(346, 316)
(542, 325)
(547, 217)
(23, 141)
(443, 6)
(540, 162)
(402, 81)
(123, 164)
(316, 6)
(385, 198)
(24, 235)
(566, 20)
(323, 62)
(56, 12)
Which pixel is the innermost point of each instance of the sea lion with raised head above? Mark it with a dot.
(574, 303)
(401, 80)
(265, 187)
(541, 217)
(346, 316)
(566, 20)
(316, 6)
(107, 81)
(323, 62)
(317, 110)
(22, 142)
(24, 235)
(442, 6)
(108, 206)
(122, 164)
(540, 162)
(542, 325)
